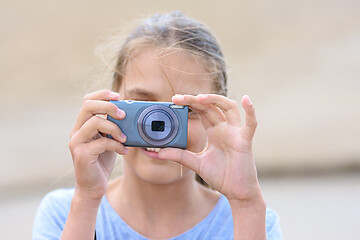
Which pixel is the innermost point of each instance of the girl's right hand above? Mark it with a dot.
(93, 153)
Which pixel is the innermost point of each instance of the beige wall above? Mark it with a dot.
(298, 60)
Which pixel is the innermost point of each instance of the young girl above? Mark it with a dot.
(169, 57)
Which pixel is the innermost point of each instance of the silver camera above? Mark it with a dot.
(153, 124)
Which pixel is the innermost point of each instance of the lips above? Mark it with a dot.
(151, 152)
(153, 149)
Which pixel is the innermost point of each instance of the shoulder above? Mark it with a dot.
(222, 223)
(273, 230)
(51, 214)
(58, 200)
(62, 194)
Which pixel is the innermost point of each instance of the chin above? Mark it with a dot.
(146, 166)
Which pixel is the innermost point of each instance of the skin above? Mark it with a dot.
(152, 196)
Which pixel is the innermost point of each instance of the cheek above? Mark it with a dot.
(197, 137)
(134, 158)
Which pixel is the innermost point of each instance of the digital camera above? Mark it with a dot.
(153, 124)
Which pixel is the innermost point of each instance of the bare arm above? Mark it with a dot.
(249, 219)
(227, 164)
(93, 158)
(81, 220)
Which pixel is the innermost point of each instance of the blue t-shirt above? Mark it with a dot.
(54, 209)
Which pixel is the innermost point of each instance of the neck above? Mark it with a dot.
(160, 211)
(156, 202)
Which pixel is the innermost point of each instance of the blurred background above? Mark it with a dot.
(299, 61)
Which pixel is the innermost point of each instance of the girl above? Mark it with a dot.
(169, 57)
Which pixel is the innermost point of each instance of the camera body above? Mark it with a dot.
(153, 124)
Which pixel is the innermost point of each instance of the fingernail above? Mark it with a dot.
(126, 150)
(123, 137)
(120, 113)
(249, 100)
(179, 97)
(114, 94)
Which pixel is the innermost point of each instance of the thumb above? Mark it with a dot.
(183, 157)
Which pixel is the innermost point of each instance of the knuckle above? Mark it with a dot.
(74, 149)
(86, 97)
(90, 123)
(94, 120)
(103, 143)
(233, 104)
(86, 103)
(76, 152)
(109, 144)
(72, 144)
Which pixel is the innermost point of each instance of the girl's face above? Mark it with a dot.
(152, 78)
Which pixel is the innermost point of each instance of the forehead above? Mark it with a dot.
(165, 73)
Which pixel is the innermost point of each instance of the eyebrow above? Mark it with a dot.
(141, 93)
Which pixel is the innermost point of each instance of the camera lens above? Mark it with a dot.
(157, 126)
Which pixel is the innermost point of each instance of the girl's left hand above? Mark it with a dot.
(227, 163)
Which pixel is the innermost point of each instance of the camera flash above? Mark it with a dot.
(176, 106)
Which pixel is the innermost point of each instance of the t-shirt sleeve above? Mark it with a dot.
(273, 230)
(52, 214)
(219, 224)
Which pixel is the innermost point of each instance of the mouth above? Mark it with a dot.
(153, 149)
(151, 152)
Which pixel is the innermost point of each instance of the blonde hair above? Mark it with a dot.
(171, 32)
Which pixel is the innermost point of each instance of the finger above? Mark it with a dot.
(205, 121)
(230, 107)
(104, 95)
(93, 107)
(213, 114)
(188, 100)
(250, 118)
(95, 125)
(184, 157)
(103, 144)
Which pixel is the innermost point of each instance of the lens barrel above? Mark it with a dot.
(158, 125)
